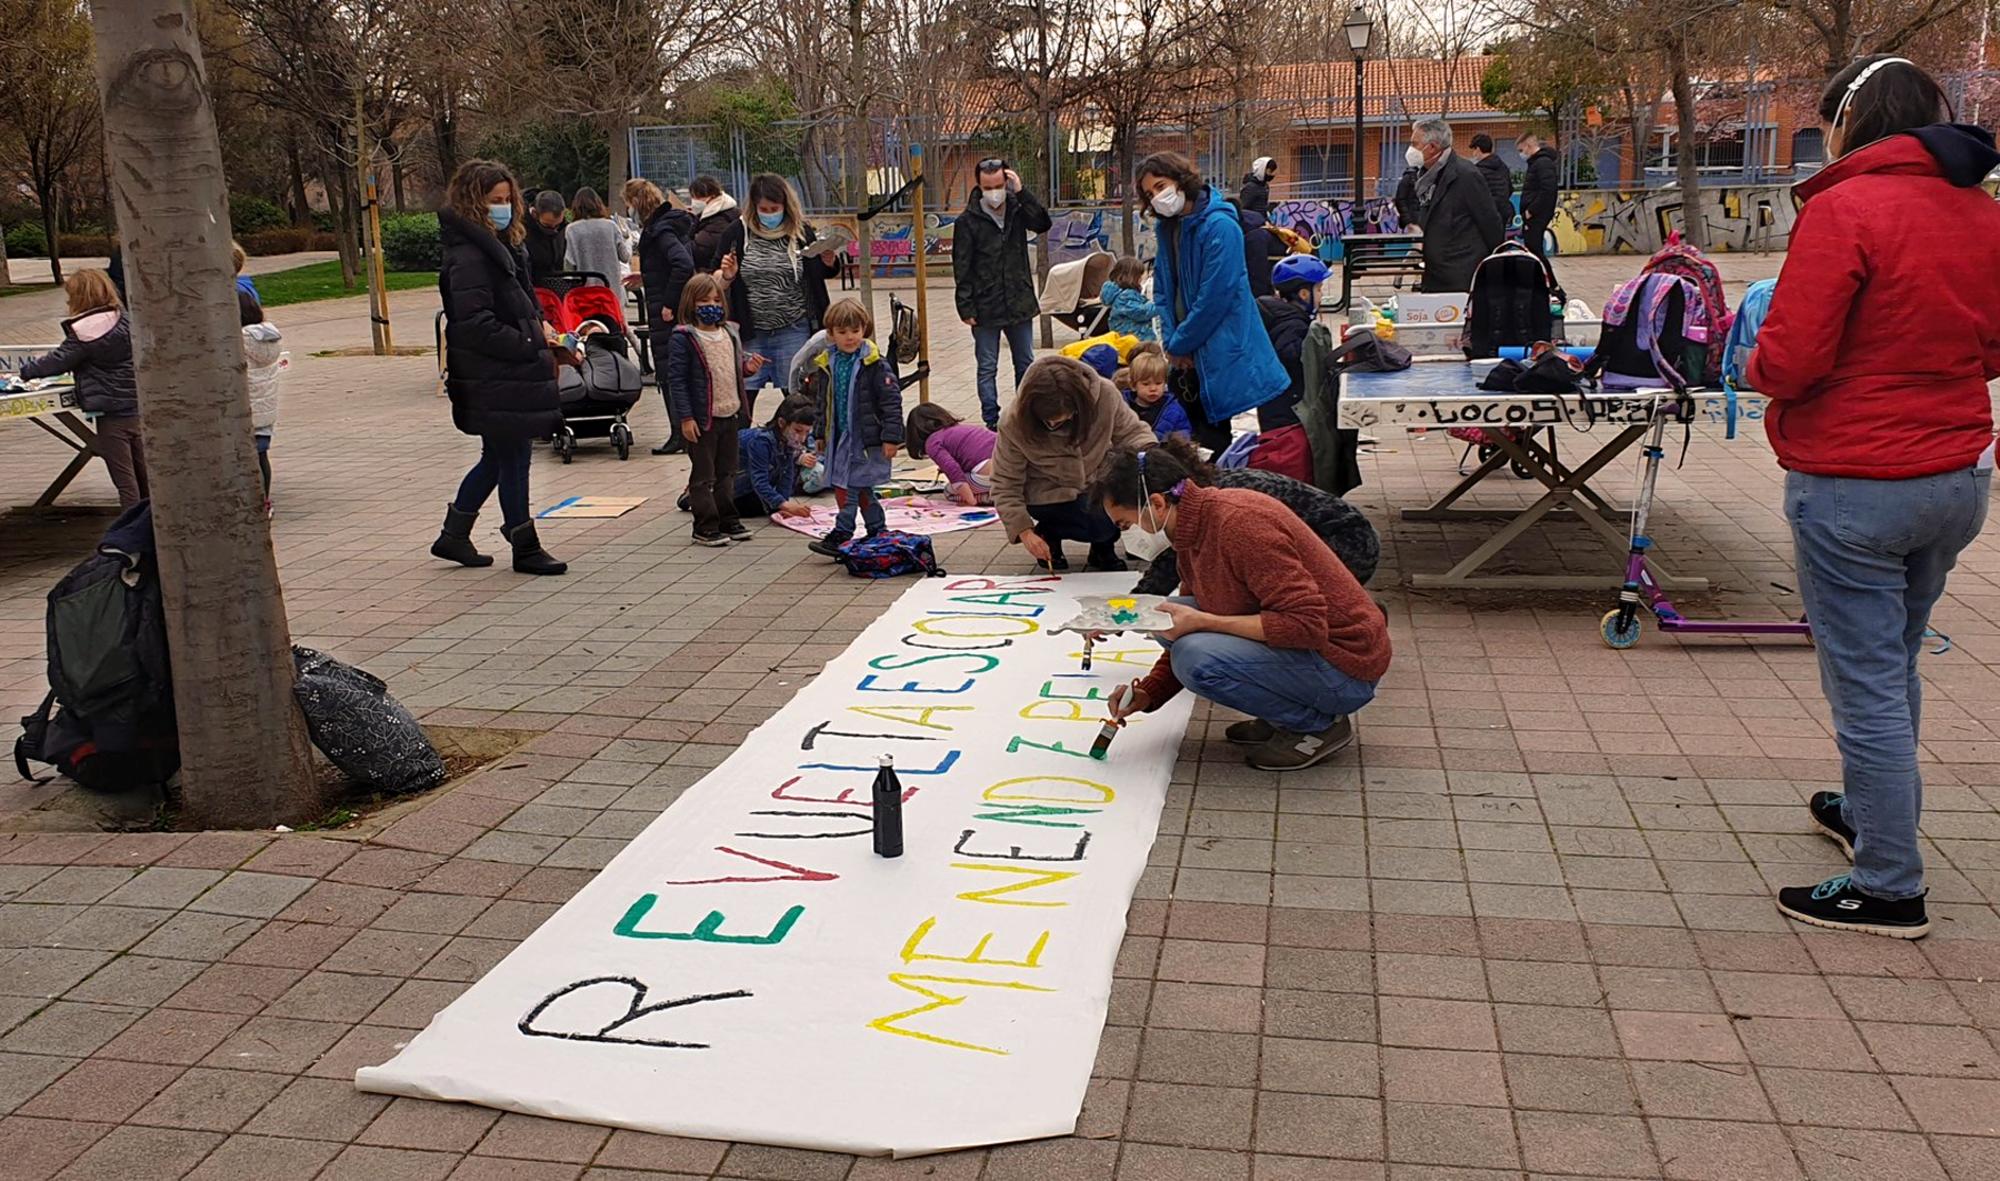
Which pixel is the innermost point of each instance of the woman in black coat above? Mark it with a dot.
(666, 263)
(499, 361)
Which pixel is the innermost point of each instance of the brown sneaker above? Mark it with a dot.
(1287, 751)
(1255, 732)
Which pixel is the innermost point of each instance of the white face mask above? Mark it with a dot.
(1169, 202)
(994, 198)
(1143, 543)
(1413, 156)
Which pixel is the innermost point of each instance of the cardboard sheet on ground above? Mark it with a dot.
(748, 969)
(911, 514)
(592, 506)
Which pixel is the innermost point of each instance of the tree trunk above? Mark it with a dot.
(1128, 188)
(334, 179)
(1693, 225)
(618, 133)
(1044, 257)
(444, 137)
(6, 268)
(301, 202)
(245, 761)
(396, 178)
(50, 234)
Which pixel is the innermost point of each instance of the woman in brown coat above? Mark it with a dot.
(1053, 438)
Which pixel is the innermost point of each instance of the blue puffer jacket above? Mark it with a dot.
(766, 468)
(1201, 289)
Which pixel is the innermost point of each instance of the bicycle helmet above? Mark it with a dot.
(1299, 268)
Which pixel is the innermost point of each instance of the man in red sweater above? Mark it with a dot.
(1274, 625)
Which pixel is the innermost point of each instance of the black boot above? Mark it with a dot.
(529, 556)
(1104, 559)
(673, 445)
(454, 543)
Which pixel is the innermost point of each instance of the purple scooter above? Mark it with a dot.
(1620, 625)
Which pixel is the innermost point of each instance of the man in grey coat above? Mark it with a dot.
(1461, 223)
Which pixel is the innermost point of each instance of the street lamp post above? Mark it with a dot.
(1360, 28)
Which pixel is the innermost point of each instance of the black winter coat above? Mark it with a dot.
(1500, 183)
(813, 274)
(690, 384)
(97, 348)
(1461, 227)
(498, 369)
(1254, 196)
(1406, 199)
(996, 280)
(876, 403)
(1261, 251)
(1287, 321)
(546, 249)
(1342, 526)
(666, 263)
(706, 241)
(1538, 188)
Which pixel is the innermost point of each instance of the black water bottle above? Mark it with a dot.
(888, 810)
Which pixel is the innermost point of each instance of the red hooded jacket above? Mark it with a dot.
(1885, 325)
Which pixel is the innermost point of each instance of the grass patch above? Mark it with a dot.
(321, 280)
(25, 288)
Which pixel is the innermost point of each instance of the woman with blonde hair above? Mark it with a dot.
(97, 349)
(499, 367)
(777, 285)
(665, 266)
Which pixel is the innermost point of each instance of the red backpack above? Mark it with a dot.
(1679, 259)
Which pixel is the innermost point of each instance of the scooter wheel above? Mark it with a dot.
(1616, 636)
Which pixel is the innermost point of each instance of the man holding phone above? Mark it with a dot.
(995, 280)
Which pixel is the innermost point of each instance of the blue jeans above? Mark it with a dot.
(1872, 558)
(1290, 688)
(986, 356)
(870, 507)
(780, 345)
(503, 464)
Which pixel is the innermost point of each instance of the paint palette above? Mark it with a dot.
(1115, 613)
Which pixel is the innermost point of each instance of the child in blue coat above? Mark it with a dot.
(1143, 381)
(770, 457)
(1131, 308)
(862, 417)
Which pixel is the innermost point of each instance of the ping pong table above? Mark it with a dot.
(1446, 394)
(50, 405)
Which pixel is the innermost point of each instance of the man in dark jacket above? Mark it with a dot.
(1538, 192)
(1461, 225)
(548, 237)
(1255, 195)
(1499, 181)
(996, 282)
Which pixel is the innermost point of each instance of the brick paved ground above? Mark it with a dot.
(1524, 929)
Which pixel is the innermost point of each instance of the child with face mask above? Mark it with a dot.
(704, 380)
(772, 456)
(863, 416)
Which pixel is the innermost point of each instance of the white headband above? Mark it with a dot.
(1854, 87)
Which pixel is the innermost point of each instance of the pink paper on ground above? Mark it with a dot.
(910, 514)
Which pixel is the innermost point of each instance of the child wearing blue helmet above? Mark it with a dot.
(1288, 316)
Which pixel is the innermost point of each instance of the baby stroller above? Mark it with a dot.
(597, 395)
(1070, 293)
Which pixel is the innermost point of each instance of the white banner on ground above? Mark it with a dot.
(749, 969)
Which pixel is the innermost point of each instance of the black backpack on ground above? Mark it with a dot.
(108, 721)
(1510, 302)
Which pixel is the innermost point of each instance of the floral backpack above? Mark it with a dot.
(1679, 259)
(890, 553)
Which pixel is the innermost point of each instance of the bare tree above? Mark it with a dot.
(1448, 32)
(48, 101)
(245, 761)
(605, 61)
(1842, 30)
(1154, 48)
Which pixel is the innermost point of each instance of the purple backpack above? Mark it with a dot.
(890, 553)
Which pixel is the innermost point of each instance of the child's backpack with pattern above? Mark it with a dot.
(890, 553)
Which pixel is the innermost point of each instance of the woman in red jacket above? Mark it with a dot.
(1272, 624)
(1882, 334)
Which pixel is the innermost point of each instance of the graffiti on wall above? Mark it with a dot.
(1326, 223)
(1602, 222)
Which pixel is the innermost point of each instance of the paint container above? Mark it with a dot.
(888, 800)
(1101, 748)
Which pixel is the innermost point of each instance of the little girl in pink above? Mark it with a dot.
(962, 451)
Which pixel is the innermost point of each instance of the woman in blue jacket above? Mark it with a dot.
(1201, 289)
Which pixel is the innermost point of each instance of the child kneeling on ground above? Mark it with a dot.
(962, 451)
(862, 413)
(773, 455)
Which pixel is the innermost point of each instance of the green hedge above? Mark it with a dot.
(250, 214)
(410, 242)
(286, 241)
(26, 240)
